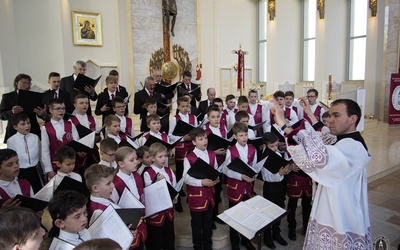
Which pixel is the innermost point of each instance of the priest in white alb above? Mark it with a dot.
(336, 158)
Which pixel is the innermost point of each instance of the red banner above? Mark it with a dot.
(394, 100)
(240, 75)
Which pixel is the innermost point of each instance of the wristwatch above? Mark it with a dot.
(287, 125)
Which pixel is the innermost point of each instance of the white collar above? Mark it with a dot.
(54, 122)
(7, 183)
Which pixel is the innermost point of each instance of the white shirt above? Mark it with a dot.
(73, 238)
(84, 121)
(186, 166)
(141, 169)
(12, 188)
(253, 108)
(251, 134)
(270, 177)
(215, 130)
(28, 154)
(106, 202)
(108, 164)
(130, 183)
(123, 125)
(115, 137)
(148, 181)
(172, 125)
(113, 93)
(59, 128)
(60, 176)
(243, 154)
(293, 118)
(232, 120)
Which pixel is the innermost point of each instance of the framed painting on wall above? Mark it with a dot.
(87, 28)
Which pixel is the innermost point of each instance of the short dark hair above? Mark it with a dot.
(94, 174)
(111, 118)
(17, 226)
(326, 115)
(229, 97)
(289, 93)
(54, 74)
(187, 73)
(196, 132)
(313, 90)
(217, 100)
(239, 127)
(242, 99)
(182, 99)
(141, 151)
(150, 101)
(269, 137)
(19, 77)
(279, 93)
(20, 117)
(64, 203)
(108, 144)
(240, 115)
(6, 154)
(253, 91)
(352, 108)
(54, 101)
(152, 117)
(80, 96)
(116, 100)
(211, 108)
(63, 153)
(113, 73)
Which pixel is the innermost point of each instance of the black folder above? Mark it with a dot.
(257, 126)
(83, 131)
(229, 134)
(241, 167)
(274, 161)
(184, 91)
(172, 191)
(71, 184)
(163, 105)
(202, 170)
(276, 132)
(130, 216)
(163, 88)
(78, 147)
(153, 139)
(29, 100)
(82, 81)
(256, 142)
(216, 142)
(182, 128)
(31, 203)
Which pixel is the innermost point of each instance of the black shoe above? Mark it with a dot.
(219, 221)
(178, 207)
(279, 239)
(249, 246)
(235, 247)
(269, 243)
(292, 234)
(214, 226)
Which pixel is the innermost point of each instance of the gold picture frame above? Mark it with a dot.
(87, 28)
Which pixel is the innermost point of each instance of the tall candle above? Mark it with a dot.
(330, 77)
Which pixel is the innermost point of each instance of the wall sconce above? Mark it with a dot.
(321, 8)
(373, 5)
(271, 9)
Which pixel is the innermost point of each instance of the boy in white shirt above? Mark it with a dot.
(126, 124)
(243, 117)
(108, 147)
(243, 104)
(65, 161)
(27, 146)
(153, 123)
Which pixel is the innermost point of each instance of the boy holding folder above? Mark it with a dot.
(200, 190)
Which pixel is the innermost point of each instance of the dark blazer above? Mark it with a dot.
(8, 101)
(140, 99)
(67, 84)
(103, 99)
(49, 94)
(194, 98)
(168, 95)
(203, 105)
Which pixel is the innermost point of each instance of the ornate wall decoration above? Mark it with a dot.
(182, 58)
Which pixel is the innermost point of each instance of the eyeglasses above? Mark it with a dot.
(59, 108)
(25, 83)
(311, 96)
(120, 107)
(111, 155)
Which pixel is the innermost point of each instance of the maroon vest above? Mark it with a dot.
(235, 189)
(222, 121)
(182, 148)
(120, 186)
(317, 114)
(258, 115)
(199, 198)
(164, 136)
(122, 136)
(222, 130)
(93, 206)
(54, 142)
(23, 185)
(295, 110)
(92, 123)
(158, 220)
(128, 127)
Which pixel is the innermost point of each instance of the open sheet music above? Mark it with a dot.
(109, 225)
(59, 244)
(157, 198)
(250, 216)
(128, 200)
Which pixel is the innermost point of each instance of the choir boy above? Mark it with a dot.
(200, 191)
(161, 225)
(126, 124)
(243, 104)
(55, 134)
(151, 107)
(318, 111)
(289, 99)
(108, 147)
(230, 110)
(144, 159)
(65, 160)
(185, 146)
(27, 146)
(153, 123)
(243, 117)
(290, 114)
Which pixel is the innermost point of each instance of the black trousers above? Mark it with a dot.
(306, 210)
(274, 192)
(202, 229)
(161, 237)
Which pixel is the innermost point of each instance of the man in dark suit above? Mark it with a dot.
(187, 86)
(141, 96)
(203, 105)
(56, 92)
(67, 84)
(9, 107)
(166, 97)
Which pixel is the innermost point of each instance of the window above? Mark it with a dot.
(309, 29)
(357, 39)
(262, 41)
